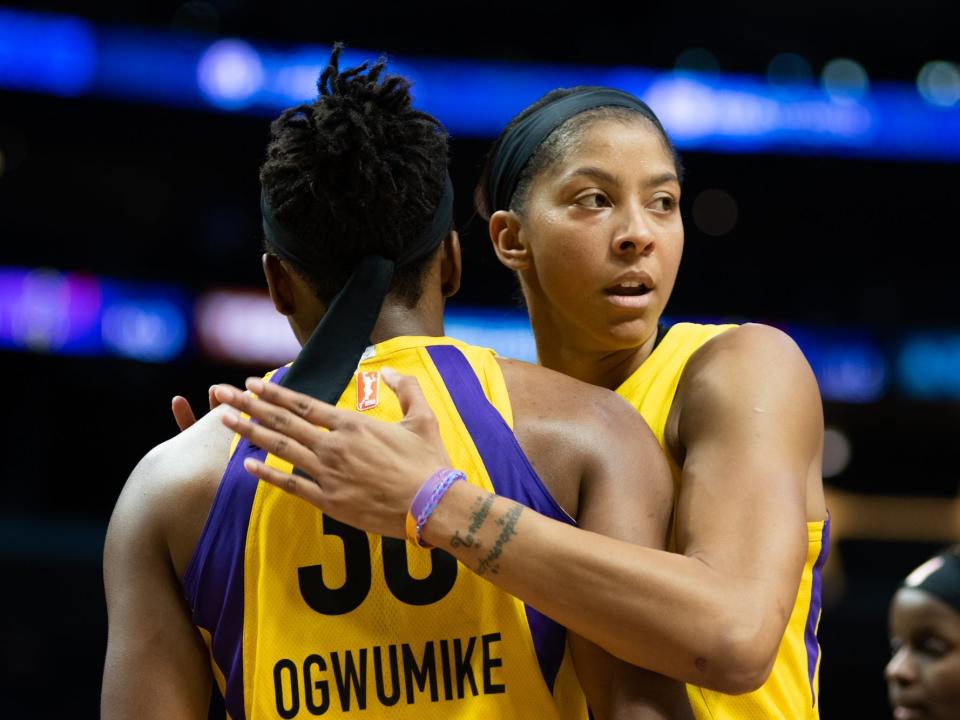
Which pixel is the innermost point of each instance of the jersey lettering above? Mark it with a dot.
(413, 675)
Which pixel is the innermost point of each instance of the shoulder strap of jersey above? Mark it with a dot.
(511, 474)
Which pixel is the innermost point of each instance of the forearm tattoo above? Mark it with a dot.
(476, 521)
(508, 522)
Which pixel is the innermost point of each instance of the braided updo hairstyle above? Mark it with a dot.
(356, 172)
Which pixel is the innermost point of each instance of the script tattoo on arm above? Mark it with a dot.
(476, 522)
(508, 521)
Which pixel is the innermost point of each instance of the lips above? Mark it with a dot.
(909, 712)
(636, 283)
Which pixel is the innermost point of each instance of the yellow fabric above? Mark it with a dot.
(786, 694)
(288, 644)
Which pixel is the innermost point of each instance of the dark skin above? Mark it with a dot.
(157, 665)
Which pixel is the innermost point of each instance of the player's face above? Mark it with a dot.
(923, 676)
(605, 237)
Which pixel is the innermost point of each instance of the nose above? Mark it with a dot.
(634, 233)
(900, 669)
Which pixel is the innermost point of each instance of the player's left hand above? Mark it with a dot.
(361, 471)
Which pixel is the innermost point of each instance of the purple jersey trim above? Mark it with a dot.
(511, 474)
(810, 633)
(213, 582)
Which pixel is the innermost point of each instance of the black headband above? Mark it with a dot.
(330, 356)
(520, 142)
(939, 576)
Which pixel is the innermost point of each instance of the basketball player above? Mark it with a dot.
(211, 575)
(582, 193)
(923, 675)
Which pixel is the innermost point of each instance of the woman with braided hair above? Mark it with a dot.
(213, 577)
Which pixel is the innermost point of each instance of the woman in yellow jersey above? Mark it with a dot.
(582, 193)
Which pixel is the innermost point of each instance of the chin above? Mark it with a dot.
(632, 333)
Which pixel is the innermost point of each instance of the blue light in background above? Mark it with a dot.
(708, 111)
(46, 53)
(144, 329)
(849, 367)
(48, 311)
(928, 366)
(506, 331)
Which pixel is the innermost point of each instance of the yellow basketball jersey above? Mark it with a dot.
(306, 616)
(790, 693)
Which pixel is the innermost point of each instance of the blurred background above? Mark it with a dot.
(822, 147)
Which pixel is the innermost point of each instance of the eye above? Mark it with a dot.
(933, 646)
(593, 199)
(664, 203)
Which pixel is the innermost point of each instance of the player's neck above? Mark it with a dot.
(397, 319)
(607, 368)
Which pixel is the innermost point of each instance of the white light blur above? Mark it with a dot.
(845, 80)
(836, 452)
(939, 83)
(244, 327)
(230, 73)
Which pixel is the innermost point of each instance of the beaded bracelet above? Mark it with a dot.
(426, 501)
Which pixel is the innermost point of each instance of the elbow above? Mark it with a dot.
(743, 660)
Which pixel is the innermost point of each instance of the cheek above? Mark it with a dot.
(943, 680)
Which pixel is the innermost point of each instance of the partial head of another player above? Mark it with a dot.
(923, 675)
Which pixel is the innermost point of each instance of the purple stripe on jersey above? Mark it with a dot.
(810, 633)
(213, 582)
(511, 474)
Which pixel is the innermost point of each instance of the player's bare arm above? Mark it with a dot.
(157, 665)
(750, 442)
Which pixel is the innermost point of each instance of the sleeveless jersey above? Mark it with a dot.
(790, 693)
(306, 616)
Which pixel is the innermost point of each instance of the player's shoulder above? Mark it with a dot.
(747, 350)
(167, 496)
(748, 365)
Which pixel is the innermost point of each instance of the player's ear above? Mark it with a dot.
(508, 242)
(279, 283)
(451, 268)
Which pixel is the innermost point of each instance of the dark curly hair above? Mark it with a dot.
(358, 171)
(555, 147)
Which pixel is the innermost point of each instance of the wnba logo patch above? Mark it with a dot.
(368, 390)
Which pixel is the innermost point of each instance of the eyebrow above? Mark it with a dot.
(601, 174)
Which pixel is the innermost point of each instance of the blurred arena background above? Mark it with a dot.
(822, 147)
